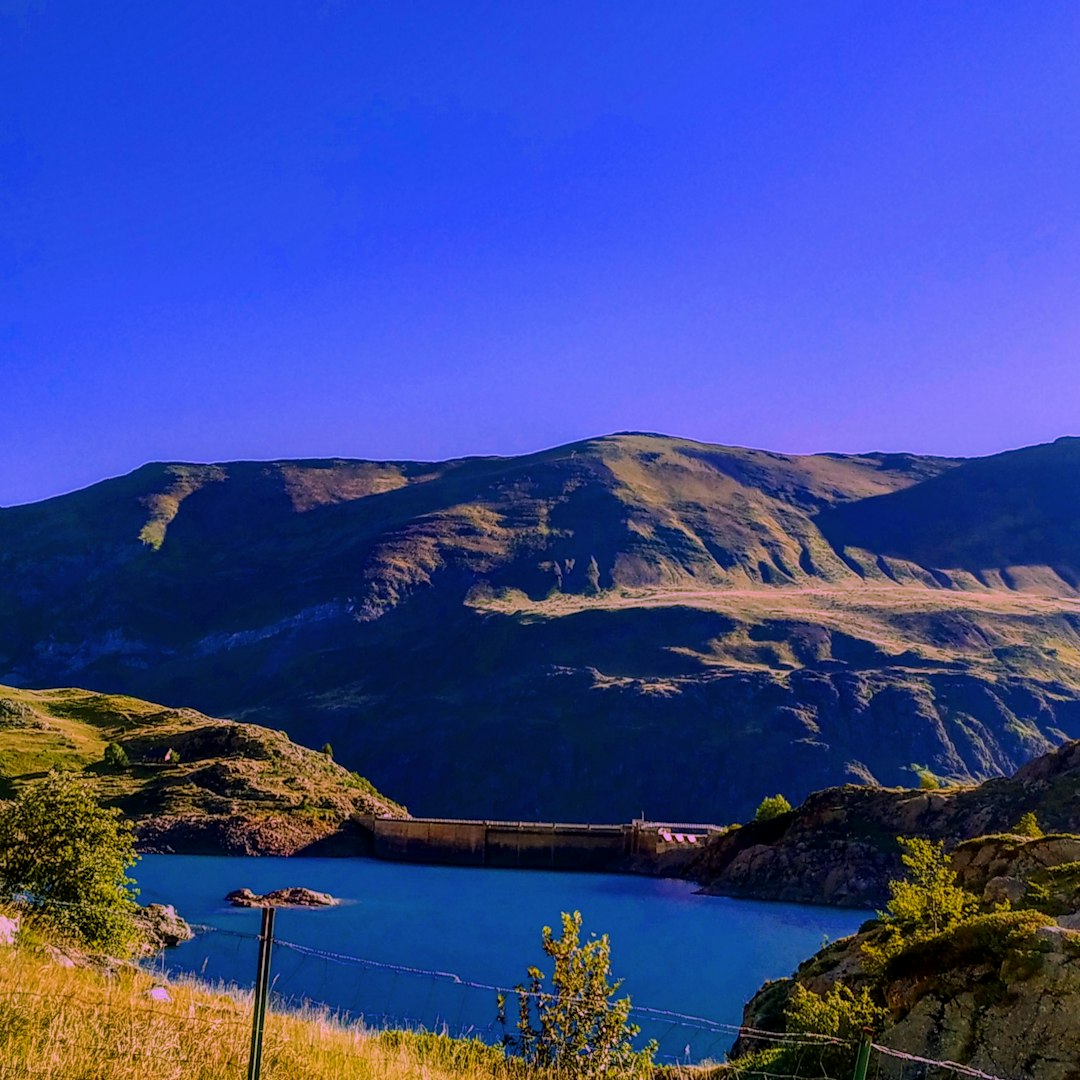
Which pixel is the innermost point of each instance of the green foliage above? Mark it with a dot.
(929, 900)
(1028, 825)
(69, 857)
(1054, 890)
(840, 1014)
(115, 758)
(984, 939)
(576, 1028)
(928, 780)
(328, 750)
(772, 806)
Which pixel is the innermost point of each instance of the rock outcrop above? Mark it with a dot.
(839, 846)
(161, 927)
(295, 896)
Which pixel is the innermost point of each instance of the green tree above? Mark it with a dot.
(576, 1028)
(772, 806)
(928, 900)
(841, 1014)
(68, 857)
(1028, 825)
(328, 750)
(928, 780)
(116, 759)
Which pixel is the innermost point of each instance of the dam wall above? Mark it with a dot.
(639, 846)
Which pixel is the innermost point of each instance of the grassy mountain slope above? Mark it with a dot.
(626, 623)
(227, 786)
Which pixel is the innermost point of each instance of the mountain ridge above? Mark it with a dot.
(576, 608)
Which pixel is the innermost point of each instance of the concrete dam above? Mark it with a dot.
(638, 847)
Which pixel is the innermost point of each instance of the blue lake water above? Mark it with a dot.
(698, 955)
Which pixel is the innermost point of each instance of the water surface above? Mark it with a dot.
(679, 951)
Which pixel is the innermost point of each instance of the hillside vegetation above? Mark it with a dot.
(192, 783)
(531, 636)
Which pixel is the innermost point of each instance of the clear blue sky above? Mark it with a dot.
(392, 229)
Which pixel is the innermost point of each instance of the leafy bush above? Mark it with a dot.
(115, 758)
(929, 900)
(1028, 825)
(979, 940)
(840, 1014)
(68, 856)
(328, 750)
(772, 806)
(580, 1031)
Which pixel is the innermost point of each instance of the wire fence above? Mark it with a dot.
(364, 994)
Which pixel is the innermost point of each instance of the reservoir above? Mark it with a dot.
(414, 945)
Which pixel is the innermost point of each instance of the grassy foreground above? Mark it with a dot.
(60, 1023)
(83, 1024)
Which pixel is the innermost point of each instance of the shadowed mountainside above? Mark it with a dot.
(623, 624)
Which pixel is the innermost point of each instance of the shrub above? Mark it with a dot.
(929, 900)
(328, 750)
(115, 758)
(68, 856)
(840, 1014)
(928, 780)
(579, 1030)
(1028, 825)
(772, 806)
(980, 940)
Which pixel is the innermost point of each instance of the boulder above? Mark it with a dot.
(295, 896)
(161, 927)
(1002, 888)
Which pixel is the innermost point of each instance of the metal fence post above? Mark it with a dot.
(262, 992)
(863, 1060)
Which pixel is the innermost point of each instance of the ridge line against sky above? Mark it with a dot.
(423, 230)
(527, 453)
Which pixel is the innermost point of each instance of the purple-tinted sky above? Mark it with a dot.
(393, 229)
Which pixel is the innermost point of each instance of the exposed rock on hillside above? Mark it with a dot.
(839, 846)
(588, 610)
(1000, 995)
(194, 784)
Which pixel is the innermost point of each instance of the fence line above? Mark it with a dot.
(889, 1060)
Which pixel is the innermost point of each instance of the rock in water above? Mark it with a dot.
(295, 896)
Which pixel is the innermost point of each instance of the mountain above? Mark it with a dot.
(193, 784)
(630, 623)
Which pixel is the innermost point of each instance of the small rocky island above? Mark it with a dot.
(291, 897)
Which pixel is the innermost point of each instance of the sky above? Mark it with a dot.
(424, 230)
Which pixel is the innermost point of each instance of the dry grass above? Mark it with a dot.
(100, 1023)
(83, 1024)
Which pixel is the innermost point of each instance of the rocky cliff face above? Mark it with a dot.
(1000, 996)
(839, 846)
(627, 623)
